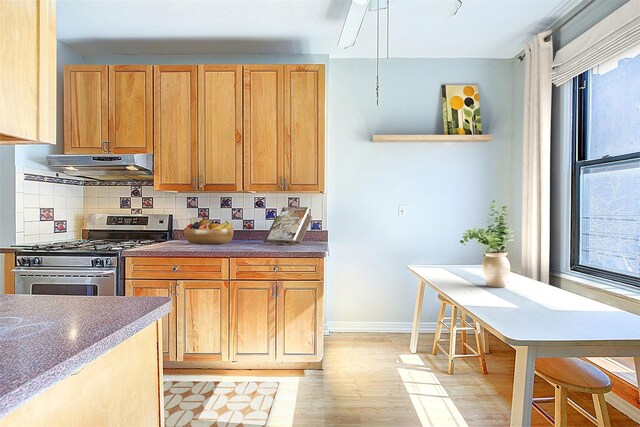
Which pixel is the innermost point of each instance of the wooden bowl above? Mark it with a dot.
(209, 237)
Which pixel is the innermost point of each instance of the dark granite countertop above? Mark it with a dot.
(7, 250)
(44, 339)
(235, 248)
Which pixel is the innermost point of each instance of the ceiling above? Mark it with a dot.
(417, 28)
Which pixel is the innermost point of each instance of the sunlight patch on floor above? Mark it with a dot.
(284, 405)
(429, 398)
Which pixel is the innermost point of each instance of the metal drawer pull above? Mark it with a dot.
(175, 268)
(275, 269)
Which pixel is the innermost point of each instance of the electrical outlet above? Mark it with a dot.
(402, 210)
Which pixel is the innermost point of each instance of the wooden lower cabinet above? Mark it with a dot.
(268, 319)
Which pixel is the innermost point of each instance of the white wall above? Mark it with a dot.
(446, 187)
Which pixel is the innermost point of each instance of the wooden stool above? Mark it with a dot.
(453, 327)
(573, 374)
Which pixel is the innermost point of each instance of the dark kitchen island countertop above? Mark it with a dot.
(44, 339)
(233, 249)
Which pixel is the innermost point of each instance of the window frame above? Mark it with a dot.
(580, 117)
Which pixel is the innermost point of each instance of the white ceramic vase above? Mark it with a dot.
(495, 269)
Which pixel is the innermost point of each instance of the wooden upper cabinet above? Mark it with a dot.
(131, 109)
(86, 108)
(203, 321)
(304, 127)
(300, 321)
(263, 128)
(175, 127)
(220, 127)
(28, 71)
(253, 321)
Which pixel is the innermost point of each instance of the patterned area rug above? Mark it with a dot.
(207, 403)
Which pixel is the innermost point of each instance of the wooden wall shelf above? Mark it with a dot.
(431, 138)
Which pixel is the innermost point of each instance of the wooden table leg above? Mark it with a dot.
(523, 386)
(485, 339)
(636, 360)
(417, 315)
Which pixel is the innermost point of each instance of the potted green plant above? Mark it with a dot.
(495, 266)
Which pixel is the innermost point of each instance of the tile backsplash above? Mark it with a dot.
(51, 206)
(247, 211)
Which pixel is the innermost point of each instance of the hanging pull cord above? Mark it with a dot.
(458, 6)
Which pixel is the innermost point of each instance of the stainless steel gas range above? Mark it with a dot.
(94, 266)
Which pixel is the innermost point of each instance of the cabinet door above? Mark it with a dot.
(28, 71)
(220, 127)
(86, 108)
(203, 322)
(253, 321)
(304, 127)
(131, 109)
(175, 127)
(263, 128)
(300, 321)
(159, 288)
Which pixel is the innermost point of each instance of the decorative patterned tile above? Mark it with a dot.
(271, 213)
(136, 191)
(60, 226)
(46, 214)
(215, 221)
(192, 202)
(225, 202)
(147, 202)
(294, 202)
(203, 213)
(236, 213)
(316, 224)
(259, 202)
(125, 202)
(136, 211)
(247, 224)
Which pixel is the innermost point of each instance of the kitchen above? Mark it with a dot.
(123, 80)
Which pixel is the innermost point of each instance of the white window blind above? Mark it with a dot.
(615, 34)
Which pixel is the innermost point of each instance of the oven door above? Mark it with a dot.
(53, 281)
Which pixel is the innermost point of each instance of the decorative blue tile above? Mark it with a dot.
(136, 191)
(203, 213)
(270, 213)
(46, 214)
(192, 202)
(60, 226)
(137, 211)
(147, 202)
(259, 202)
(316, 224)
(236, 213)
(294, 202)
(247, 224)
(125, 202)
(225, 202)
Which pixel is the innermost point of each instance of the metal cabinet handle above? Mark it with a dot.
(178, 289)
(108, 144)
(273, 291)
(175, 268)
(275, 269)
(284, 183)
(194, 182)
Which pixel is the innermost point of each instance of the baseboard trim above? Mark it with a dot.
(388, 327)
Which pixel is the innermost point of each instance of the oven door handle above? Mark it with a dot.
(65, 271)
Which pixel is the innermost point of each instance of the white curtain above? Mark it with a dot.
(536, 158)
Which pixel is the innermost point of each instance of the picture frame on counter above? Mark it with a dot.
(290, 226)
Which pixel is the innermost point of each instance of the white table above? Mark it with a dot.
(536, 319)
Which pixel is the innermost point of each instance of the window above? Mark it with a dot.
(605, 206)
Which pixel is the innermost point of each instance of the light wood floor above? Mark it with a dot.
(373, 380)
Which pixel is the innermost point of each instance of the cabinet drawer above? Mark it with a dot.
(277, 268)
(177, 268)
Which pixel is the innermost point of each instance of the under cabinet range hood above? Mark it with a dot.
(108, 167)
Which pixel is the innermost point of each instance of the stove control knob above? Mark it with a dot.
(24, 262)
(107, 262)
(97, 262)
(36, 261)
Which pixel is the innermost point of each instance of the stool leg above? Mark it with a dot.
(602, 415)
(452, 337)
(463, 334)
(561, 407)
(443, 306)
(480, 347)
